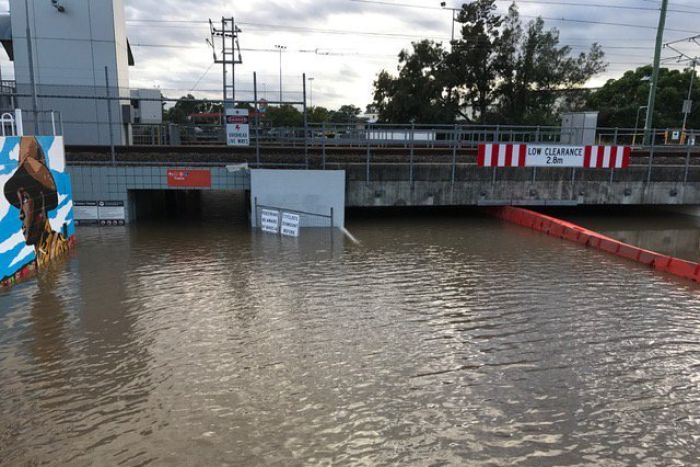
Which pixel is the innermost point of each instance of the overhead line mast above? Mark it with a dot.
(655, 74)
(225, 39)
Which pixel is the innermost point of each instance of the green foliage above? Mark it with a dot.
(345, 114)
(417, 94)
(318, 114)
(497, 71)
(618, 101)
(290, 116)
(186, 106)
(284, 115)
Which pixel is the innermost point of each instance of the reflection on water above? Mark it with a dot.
(435, 341)
(664, 232)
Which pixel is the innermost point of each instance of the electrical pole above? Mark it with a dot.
(229, 58)
(454, 18)
(655, 75)
(687, 105)
(311, 92)
(32, 80)
(280, 48)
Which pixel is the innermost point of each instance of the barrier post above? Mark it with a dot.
(687, 165)
(109, 116)
(651, 156)
(306, 126)
(454, 155)
(368, 158)
(257, 120)
(323, 147)
(255, 212)
(410, 169)
(615, 136)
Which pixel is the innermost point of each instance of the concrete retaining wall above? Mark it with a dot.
(420, 193)
(107, 183)
(313, 191)
(433, 186)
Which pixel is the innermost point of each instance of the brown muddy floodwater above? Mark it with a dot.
(436, 341)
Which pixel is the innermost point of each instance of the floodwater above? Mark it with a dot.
(436, 341)
(674, 234)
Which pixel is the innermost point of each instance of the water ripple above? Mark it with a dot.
(432, 343)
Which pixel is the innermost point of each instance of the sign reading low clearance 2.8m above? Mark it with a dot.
(546, 155)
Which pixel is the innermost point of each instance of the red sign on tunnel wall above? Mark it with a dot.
(189, 178)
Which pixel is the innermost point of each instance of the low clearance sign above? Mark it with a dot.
(545, 155)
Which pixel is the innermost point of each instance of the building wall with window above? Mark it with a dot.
(79, 49)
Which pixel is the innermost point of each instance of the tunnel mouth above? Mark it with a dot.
(190, 206)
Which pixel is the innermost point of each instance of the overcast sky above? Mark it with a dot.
(343, 44)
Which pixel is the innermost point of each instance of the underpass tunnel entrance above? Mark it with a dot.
(231, 206)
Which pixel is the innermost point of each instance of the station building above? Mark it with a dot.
(79, 48)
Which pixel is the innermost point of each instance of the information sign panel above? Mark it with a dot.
(270, 221)
(290, 224)
(111, 212)
(85, 212)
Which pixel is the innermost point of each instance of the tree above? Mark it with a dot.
(345, 114)
(188, 105)
(498, 71)
(474, 58)
(284, 116)
(619, 101)
(418, 93)
(543, 69)
(318, 114)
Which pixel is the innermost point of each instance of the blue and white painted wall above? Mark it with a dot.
(33, 173)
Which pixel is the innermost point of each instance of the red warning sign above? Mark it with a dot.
(189, 178)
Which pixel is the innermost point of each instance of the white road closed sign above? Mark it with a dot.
(270, 221)
(237, 127)
(290, 224)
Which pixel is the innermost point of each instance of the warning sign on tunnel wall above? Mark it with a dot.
(545, 155)
(189, 178)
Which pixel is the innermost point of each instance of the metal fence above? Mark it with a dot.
(388, 135)
(43, 122)
(306, 219)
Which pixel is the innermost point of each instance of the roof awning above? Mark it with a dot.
(131, 54)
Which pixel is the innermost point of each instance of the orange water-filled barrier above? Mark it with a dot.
(575, 233)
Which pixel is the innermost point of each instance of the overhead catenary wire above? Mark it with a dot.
(288, 28)
(535, 2)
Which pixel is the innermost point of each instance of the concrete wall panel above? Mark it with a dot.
(314, 191)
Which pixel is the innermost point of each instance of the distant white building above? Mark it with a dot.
(147, 106)
(79, 47)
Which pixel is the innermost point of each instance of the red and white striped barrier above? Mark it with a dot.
(606, 157)
(540, 155)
